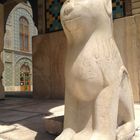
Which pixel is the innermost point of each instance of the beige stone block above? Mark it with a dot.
(126, 32)
(135, 1)
(136, 11)
(48, 65)
(136, 5)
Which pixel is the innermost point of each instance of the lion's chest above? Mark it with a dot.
(84, 78)
(86, 68)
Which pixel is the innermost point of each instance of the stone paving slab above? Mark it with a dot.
(9, 116)
(7, 128)
(33, 126)
(41, 107)
(10, 101)
(16, 103)
(36, 124)
(28, 115)
(21, 133)
(13, 106)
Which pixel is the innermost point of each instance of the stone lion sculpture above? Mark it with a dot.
(98, 98)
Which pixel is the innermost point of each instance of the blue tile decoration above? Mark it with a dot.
(53, 13)
(118, 8)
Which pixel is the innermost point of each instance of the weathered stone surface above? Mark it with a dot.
(127, 37)
(98, 99)
(48, 65)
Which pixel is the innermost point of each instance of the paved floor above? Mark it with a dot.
(21, 118)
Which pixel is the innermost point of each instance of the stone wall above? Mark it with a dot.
(49, 54)
(127, 35)
(48, 65)
(1, 47)
(135, 7)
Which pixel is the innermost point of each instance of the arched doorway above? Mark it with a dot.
(17, 50)
(25, 78)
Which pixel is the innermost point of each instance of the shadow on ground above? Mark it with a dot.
(26, 114)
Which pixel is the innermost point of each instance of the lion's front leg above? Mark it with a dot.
(103, 121)
(69, 118)
(105, 113)
(126, 118)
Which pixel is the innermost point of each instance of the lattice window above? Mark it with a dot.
(25, 78)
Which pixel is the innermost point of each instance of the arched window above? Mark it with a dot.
(25, 78)
(24, 34)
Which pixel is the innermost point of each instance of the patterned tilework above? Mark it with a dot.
(53, 13)
(8, 57)
(13, 58)
(118, 8)
(8, 79)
